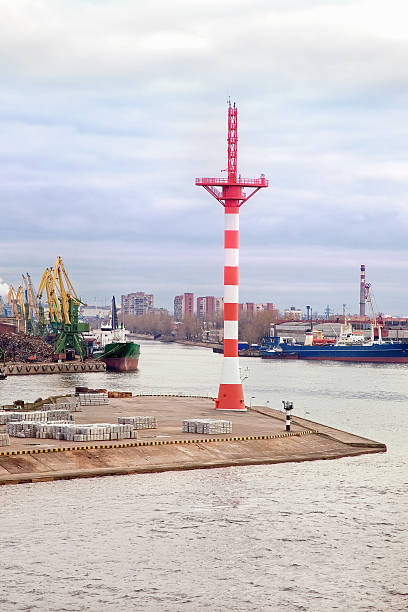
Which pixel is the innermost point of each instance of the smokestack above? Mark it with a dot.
(362, 292)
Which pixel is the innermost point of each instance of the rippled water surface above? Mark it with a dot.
(324, 535)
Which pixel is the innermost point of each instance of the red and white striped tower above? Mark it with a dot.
(231, 196)
(362, 291)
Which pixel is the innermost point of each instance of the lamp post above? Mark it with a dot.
(287, 406)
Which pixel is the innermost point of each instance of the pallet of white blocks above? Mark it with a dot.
(71, 431)
(139, 422)
(101, 431)
(93, 399)
(207, 426)
(27, 429)
(36, 415)
(4, 439)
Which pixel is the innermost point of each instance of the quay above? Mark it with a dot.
(258, 437)
(65, 367)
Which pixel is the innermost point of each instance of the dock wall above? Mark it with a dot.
(24, 369)
(47, 464)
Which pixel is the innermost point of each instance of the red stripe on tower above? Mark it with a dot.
(232, 196)
(230, 348)
(230, 312)
(231, 239)
(231, 274)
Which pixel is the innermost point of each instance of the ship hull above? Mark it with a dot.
(121, 356)
(121, 364)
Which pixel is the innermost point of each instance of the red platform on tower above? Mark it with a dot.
(231, 196)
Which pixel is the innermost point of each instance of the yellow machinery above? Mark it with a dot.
(16, 300)
(24, 304)
(63, 304)
(31, 307)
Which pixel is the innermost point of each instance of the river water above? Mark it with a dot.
(315, 536)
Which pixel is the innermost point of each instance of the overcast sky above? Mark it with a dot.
(109, 109)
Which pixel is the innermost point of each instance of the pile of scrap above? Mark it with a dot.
(22, 348)
(82, 390)
(62, 402)
(111, 394)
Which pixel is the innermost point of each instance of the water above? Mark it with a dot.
(324, 535)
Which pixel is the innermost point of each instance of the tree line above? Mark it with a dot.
(252, 326)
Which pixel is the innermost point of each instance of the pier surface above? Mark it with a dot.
(258, 437)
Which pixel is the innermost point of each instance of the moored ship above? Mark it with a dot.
(348, 347)
(118, 354)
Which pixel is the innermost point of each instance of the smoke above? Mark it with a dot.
(4, 288)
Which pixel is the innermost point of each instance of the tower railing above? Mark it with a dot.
(261, 182)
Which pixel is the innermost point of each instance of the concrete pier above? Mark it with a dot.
(65, 367)
(258, 437)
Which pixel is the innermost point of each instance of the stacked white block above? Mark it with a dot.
(36, 415)
(4, 439)
(93, 399)
(28, 429)
(71, 431)
(207, 426)
(139, 422)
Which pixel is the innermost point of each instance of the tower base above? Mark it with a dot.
(230, 397)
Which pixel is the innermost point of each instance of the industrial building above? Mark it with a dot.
(251, 307)
(293, 314)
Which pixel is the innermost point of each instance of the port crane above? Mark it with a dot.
(24, 304)
(377, 321)
(31, 309)
(63, 305)
(16, 301)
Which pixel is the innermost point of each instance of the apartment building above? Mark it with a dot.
(138, 303)
(206, 307)
(183, 306)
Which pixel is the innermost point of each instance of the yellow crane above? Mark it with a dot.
(11, 295)
(53, 301)
(31, 297)
(16, 300)
(63, 304)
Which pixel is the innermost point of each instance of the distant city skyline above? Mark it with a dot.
(104, 299)
(109, 112)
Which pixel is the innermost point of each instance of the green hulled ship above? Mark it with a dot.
(121, 356)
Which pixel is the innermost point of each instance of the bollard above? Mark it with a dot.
(287, 406)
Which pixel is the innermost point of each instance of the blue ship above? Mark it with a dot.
(348, 347)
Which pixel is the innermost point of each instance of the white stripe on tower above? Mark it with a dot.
(230, 396)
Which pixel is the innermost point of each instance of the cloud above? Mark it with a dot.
(109, 110)
(4, 288)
